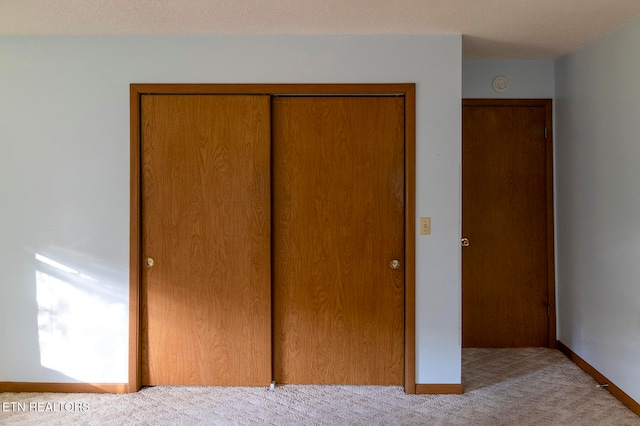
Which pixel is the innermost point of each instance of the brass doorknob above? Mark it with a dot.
(395, 264)
(149, 262)
(464, 242)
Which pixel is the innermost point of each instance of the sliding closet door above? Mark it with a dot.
(338, 240)
(206, 294)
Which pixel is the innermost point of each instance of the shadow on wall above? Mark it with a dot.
(82, 318)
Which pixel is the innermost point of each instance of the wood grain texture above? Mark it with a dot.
(205, 317)
(410, 240)
(406, 89)
(275, 89)
(631, 403)
(551, 252)
(439, 389)
(338, 220)
(135, 256)
(505, 217)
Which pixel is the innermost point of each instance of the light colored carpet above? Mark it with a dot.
(502, 387)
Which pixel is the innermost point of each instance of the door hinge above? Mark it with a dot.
(545, 132)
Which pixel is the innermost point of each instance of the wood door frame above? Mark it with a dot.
(551, 274)
(407, 90)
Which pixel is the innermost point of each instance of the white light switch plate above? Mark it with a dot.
(425, 226)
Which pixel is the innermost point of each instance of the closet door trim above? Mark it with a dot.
(407, 90)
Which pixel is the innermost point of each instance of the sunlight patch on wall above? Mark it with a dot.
(80, 327)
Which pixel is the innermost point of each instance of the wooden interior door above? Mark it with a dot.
(205, 220)
(338, 222)
(507, 268)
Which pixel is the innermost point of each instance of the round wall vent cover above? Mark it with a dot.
(500, 84)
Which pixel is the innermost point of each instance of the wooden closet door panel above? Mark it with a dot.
(338, 221)
(505, 300)
(206, 302)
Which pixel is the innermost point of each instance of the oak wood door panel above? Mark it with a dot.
(505, 267)
(206, 302)
(338, 221)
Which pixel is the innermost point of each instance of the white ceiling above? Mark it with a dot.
(492, 29)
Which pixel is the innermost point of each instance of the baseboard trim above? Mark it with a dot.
(63, 387)
(424, 389)
(600, 378)
(446, 388)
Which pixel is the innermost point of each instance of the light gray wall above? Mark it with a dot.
(527, 79)
(64, 181)
(598, 204)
